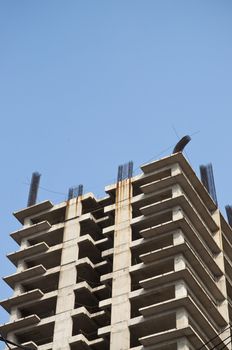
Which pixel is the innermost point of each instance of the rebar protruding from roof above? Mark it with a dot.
(229, 214)
(207, 179)
(75, 192)
(125, 171)
(7, 342)
(179, 147)
(34, 186)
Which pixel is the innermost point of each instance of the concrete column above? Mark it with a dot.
(181, 318)
(181, 292)
(177, 213)
(67, 278)
(182, 322)
(121, 286)
(179, 262)
(183, 344)
(178, 237)
(176, 169)
(176, 190)
(180, 286)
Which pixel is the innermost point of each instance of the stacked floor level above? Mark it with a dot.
(149, 266)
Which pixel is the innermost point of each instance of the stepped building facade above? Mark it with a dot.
(149, 266)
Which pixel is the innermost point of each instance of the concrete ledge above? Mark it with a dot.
(30, 345)
(101, 292)
(160, 229)
(142, 222)
(109, 208)
(104, 331)
(105, 303)
(105, 278)
(27, 231)
(90, 321)
(83, 317)
(188, 303)
(108, 231)
(95, 292)
(143, 293)
(198, 341)
(88, 244)
(103, 221)
(47, 346)
(226, 228)
(32, 210)
(184, 203)
(194, 261)
(107, 253)
(85, 291)
(187, 227)
(27, 252)
(201, 292)
(35, 294)
(227, 245)
(161, 184)
(187, 169)
(168, 335)
(103, 243)
(82, 343)
(109, 189)
(20, 323)
(146, 244)
(90, 225)
(88, 218)
(169, 251)
(102, 267)
(89, 199)
(23, 275)
(89, 270)
(101, 317)
(192, 195)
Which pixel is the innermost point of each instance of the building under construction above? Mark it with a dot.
(149, 266)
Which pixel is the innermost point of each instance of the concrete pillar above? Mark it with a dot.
(178, 237)
(183, 344)
(179, 262)
(180, 290)
(181, 314)
(176, 191)
(176, 169)
(67, 278)
(181, 318)
(121, 286)
(180, 286)
(177, 213)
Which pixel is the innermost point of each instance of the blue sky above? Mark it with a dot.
(88, 85)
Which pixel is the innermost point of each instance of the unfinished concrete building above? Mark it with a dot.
(149, 266)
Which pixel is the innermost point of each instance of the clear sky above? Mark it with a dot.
(88, 85)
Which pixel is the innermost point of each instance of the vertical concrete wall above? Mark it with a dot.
(221, 282)
(67, 278)
(121, 286)
(182, 317)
